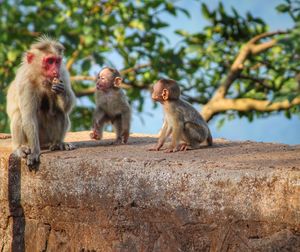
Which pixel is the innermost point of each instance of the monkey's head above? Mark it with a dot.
(165, 90)
(45, 57)
(108, 78)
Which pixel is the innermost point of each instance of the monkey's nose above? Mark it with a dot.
(55, 74)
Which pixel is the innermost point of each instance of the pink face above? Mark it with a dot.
(157, 92)
(51, 66)
(105, 80)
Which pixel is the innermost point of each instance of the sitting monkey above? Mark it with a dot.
(111, 106)
(186, 125)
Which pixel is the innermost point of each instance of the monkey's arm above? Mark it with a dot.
(164, 134)
(177, 133)
(65, 98)
(28, 103)
(99, 119)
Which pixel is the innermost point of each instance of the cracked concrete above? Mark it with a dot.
(235, 196)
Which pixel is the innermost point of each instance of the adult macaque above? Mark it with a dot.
(39, 101)
(186, 125)
(111, 106)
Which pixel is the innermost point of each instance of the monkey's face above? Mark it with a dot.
(157, 92)
(51, 66)
(105, 80)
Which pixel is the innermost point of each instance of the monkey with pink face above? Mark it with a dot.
(111, 106)
(39, 101)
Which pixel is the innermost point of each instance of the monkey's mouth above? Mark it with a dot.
(100, 86)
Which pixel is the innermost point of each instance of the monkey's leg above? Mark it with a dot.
(126, 117)
(177, 135)
(30, 128)
(165, 132)
(61, 125)
(117, 123)
(209, 139)
(193, 136)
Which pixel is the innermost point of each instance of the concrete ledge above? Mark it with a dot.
(235, 196)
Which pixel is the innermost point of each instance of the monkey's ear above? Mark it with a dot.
(165, 94)
(29, 57)
(117, 82)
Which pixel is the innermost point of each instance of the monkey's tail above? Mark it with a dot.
(209, 139)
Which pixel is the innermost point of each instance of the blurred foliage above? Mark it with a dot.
(96, 33)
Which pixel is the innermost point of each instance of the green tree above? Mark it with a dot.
(234, 66)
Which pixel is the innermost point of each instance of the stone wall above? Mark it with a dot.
(235, 196)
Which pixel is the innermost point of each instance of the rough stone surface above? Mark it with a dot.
(235, 196)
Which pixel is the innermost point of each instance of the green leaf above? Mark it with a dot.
(170, 8)
(137, 24)
(86, 65)
(283, 8)
(12, 55)
(205, 11)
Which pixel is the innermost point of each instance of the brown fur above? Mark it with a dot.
(186, 126)
(39, 113)
(111, 106)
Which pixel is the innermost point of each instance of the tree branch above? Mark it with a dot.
(135, 68)
(72, 59)
(262, 82)
(250, 48)
(198, 100)
(82, 78)
(85, 92)
(93, 78)
(266, 35)
(92, 90)
(245, 104)
(75, 54)
(256, 49)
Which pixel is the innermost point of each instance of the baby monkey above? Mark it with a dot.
(186, 125)
(111, 106)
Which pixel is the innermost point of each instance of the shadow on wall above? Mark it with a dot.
(15, 207)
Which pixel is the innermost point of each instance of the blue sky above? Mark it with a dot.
(276, 128)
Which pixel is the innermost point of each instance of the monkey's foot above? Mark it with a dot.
(118, 141)
(33, 159)
(23, 151)
(62, 146)
(125, 137)
(156, 147)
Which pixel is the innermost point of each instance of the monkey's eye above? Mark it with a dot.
(50, 61)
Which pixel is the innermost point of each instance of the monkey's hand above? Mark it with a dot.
(183, 147)
(94, 135)
(156, 147)
(58, 88)
(22, 152)
(32, 158)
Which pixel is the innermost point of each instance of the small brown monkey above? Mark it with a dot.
(111, 106)
(186, 125)
(39, 101)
